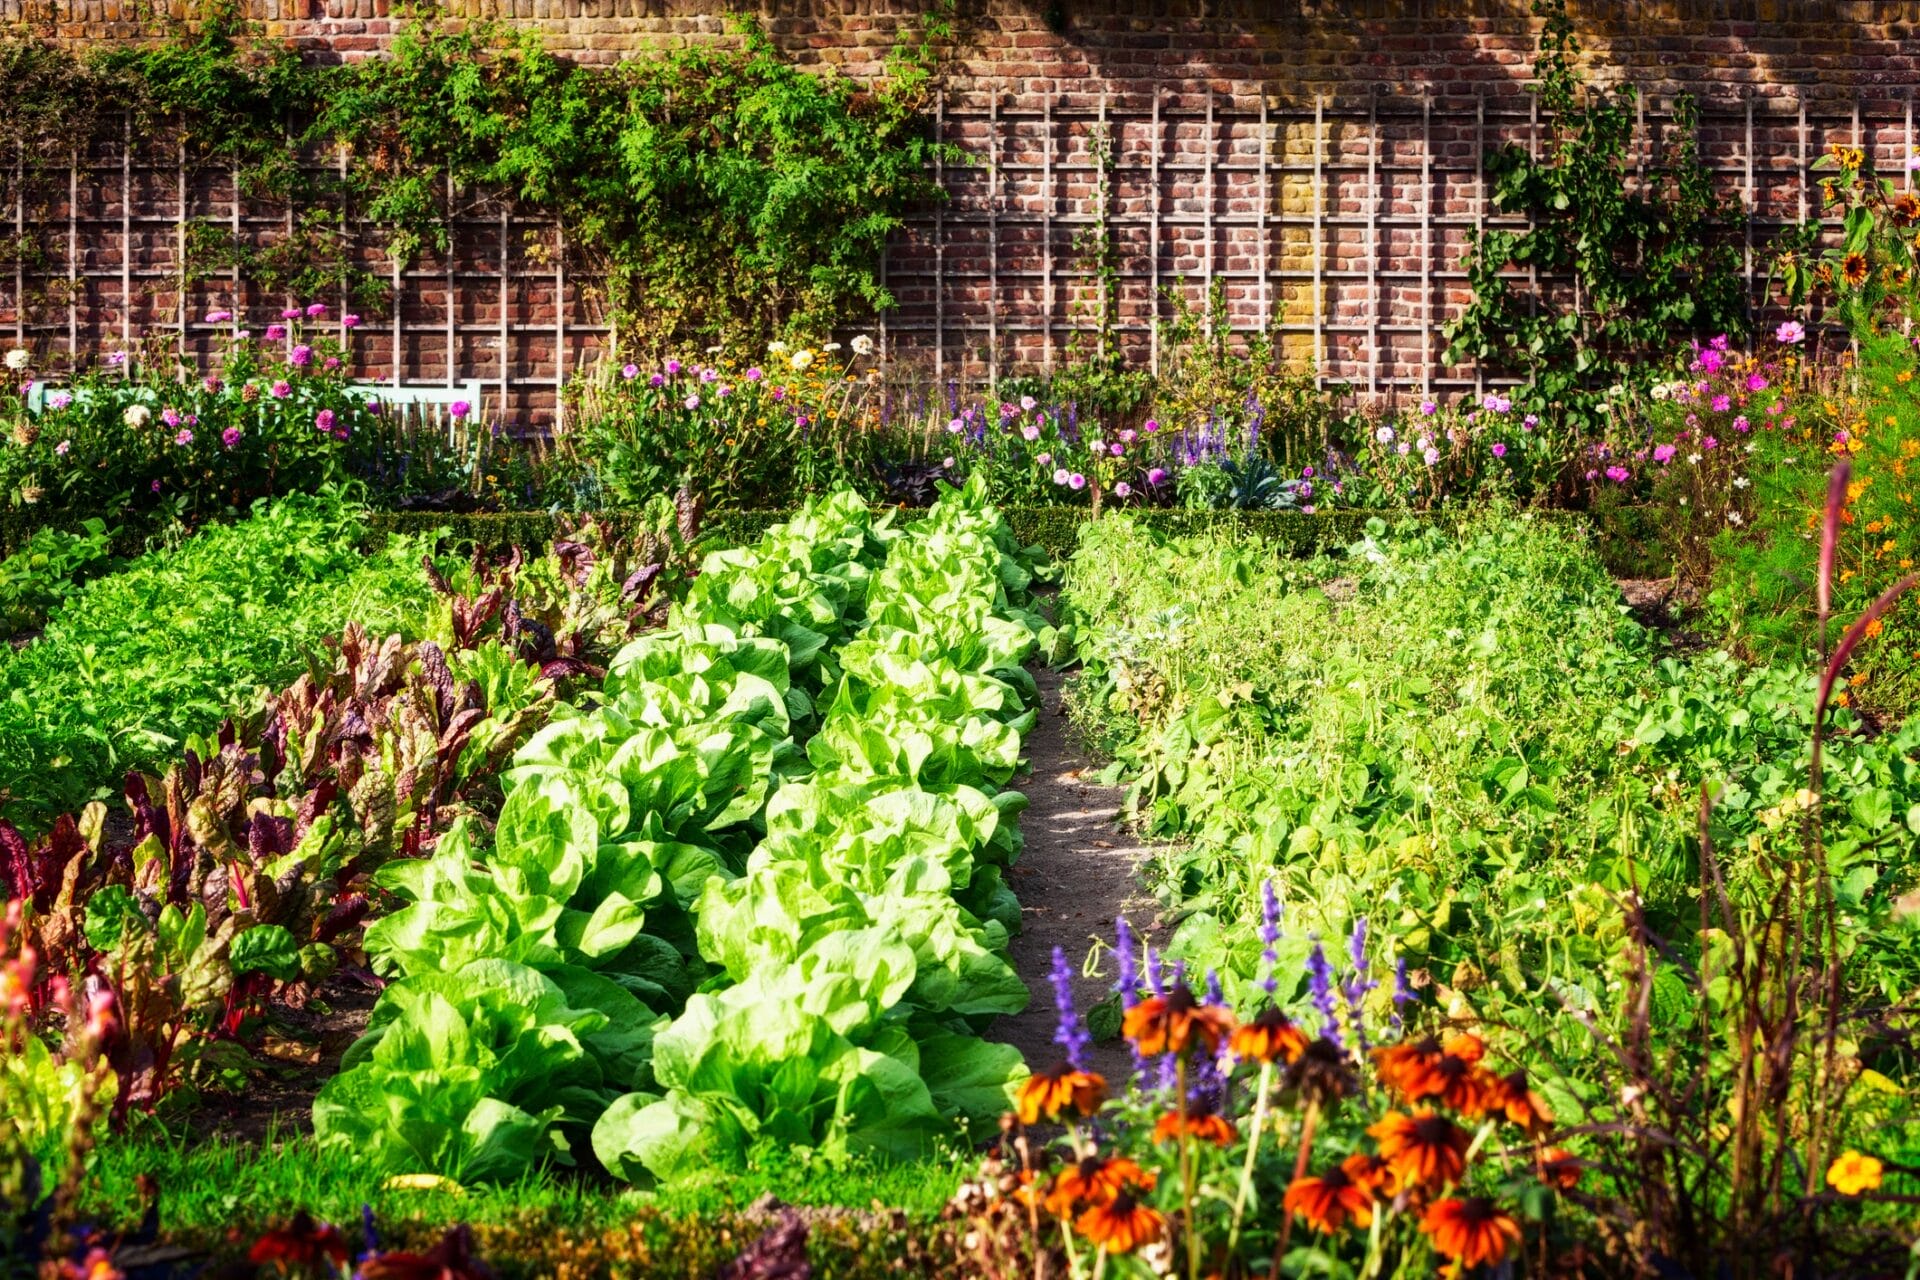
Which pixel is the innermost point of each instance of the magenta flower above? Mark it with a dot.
(170, 416)
(154, 487)
(59, 399)
(1756, 381)
(1076, 481)
(629, 371)
(301, 355)
(1663, 453)
(754, 374)
(1029, 432)
(1428, 408)
(1618, 474)
(1044, 459)
(1116, 449)
(1123, 490)
(276, 332)
(280, 390)
(673, 368)
(230, 437)
(316, 310)
(692, 402)
(459, 409)
(219, 317)
(1529, 422)
(63, 448)
(1150, 426)
(212, 384)
(183, 437)
(323, 420)
(349, 321)
(1499, 450)
(1791, 332)
(657, 380)
(1710, 443)
(1722, 403)
(1741, 424)
(290, 313)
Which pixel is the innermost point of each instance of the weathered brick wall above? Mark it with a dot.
(1319, 160)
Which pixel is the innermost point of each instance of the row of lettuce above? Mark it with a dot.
(753, 892)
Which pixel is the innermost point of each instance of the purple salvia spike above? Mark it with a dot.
(1320, 983)
(1070, 1035)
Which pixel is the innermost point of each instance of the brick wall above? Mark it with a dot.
(1319, 160)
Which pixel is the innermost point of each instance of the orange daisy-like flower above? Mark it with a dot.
(1455, 1077)
(1560, 1168)
(1520, 1104)
(1322, 1072)
(1330, 1201)
(1095, 1180)
(1174, 1023)
(1203, 1124)
(1399, 1064)
(1426, 1148)
(1373, 1173)
(1853, 269)
(1121, 1225)
(1047, 1093)
(1271, 1036)
(302, 1244)
(1472, 1232)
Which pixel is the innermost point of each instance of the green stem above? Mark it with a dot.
(1253, 1151)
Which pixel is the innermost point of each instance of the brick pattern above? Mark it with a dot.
(1319, 160)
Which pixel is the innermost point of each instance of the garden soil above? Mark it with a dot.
(1079, 870)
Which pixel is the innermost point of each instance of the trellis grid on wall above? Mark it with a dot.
(1338, 225)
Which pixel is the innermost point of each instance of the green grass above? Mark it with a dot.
(211, 1186)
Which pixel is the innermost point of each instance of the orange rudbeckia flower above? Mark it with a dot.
(1472, 1232)
(1045, 1094)
(1176, 1022)
(1374, 1173)
(1521, 1104)
(1560, 1168)
(1202, 1124)
(1455, 1077)
(1269, 1037)
(1095, 1180)
(1330, 1201)
(1398, 1064)
(1121, 1225)
(1426, 1148)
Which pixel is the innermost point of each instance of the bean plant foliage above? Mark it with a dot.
(1652, 260)
(720, 192)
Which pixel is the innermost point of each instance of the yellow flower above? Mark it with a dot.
(1854, 1173)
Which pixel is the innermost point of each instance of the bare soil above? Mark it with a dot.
(1079, 870)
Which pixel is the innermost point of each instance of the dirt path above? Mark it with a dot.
(1079, 870)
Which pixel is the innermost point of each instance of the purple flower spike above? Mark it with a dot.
(1128, 983)
(1070, 1035)
(1214, 994)
(1156, 980)
(1357, 986)
(1320, 983)
(1270, 935)
(1404, 996)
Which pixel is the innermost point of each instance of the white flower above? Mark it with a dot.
(137, 416)
(800, 360)
(829, 346)
(714, 351)
(1733, 517)
(18, 359)
(1741, 482)
(863, 345)
(1661, 391)
(1384, 435)
(1693, 458)
(776, 348)
(1616, 391)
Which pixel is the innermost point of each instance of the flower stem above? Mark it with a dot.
(1253, 1151)
(1299, 1171)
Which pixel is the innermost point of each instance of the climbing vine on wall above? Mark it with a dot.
(720, 193)
(1652, 259)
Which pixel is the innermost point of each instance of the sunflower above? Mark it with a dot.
(1270, 1036)
(1560, 1168)
(1330, 1201)
(1048, 1093)
(1121, 1225)
(1175, 1022)
(1426, 1149)
(1094, 1180)
(1198, 1121)
(1510, 1094)
(1471, 1231)
(1906, 208)
(1853, 269)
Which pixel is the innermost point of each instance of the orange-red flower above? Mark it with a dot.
(1121, 1225)
(1399, 1064)
(1330, 1201)
(1176, 1022)
(1521, 1104)
(1472, 1232)
(1426, 1148)
(1560, 1168)
(1373, 1173)
(1454, 1076)
(1269, 1037)
(1045, 1094)
(1095, 1180)
(302, 1244)
(1200, 1123)
(1322, 1073)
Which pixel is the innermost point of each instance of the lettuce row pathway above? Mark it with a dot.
(689, 933)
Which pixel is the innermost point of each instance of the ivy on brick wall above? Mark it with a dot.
(1653, 259)
(721, 194)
